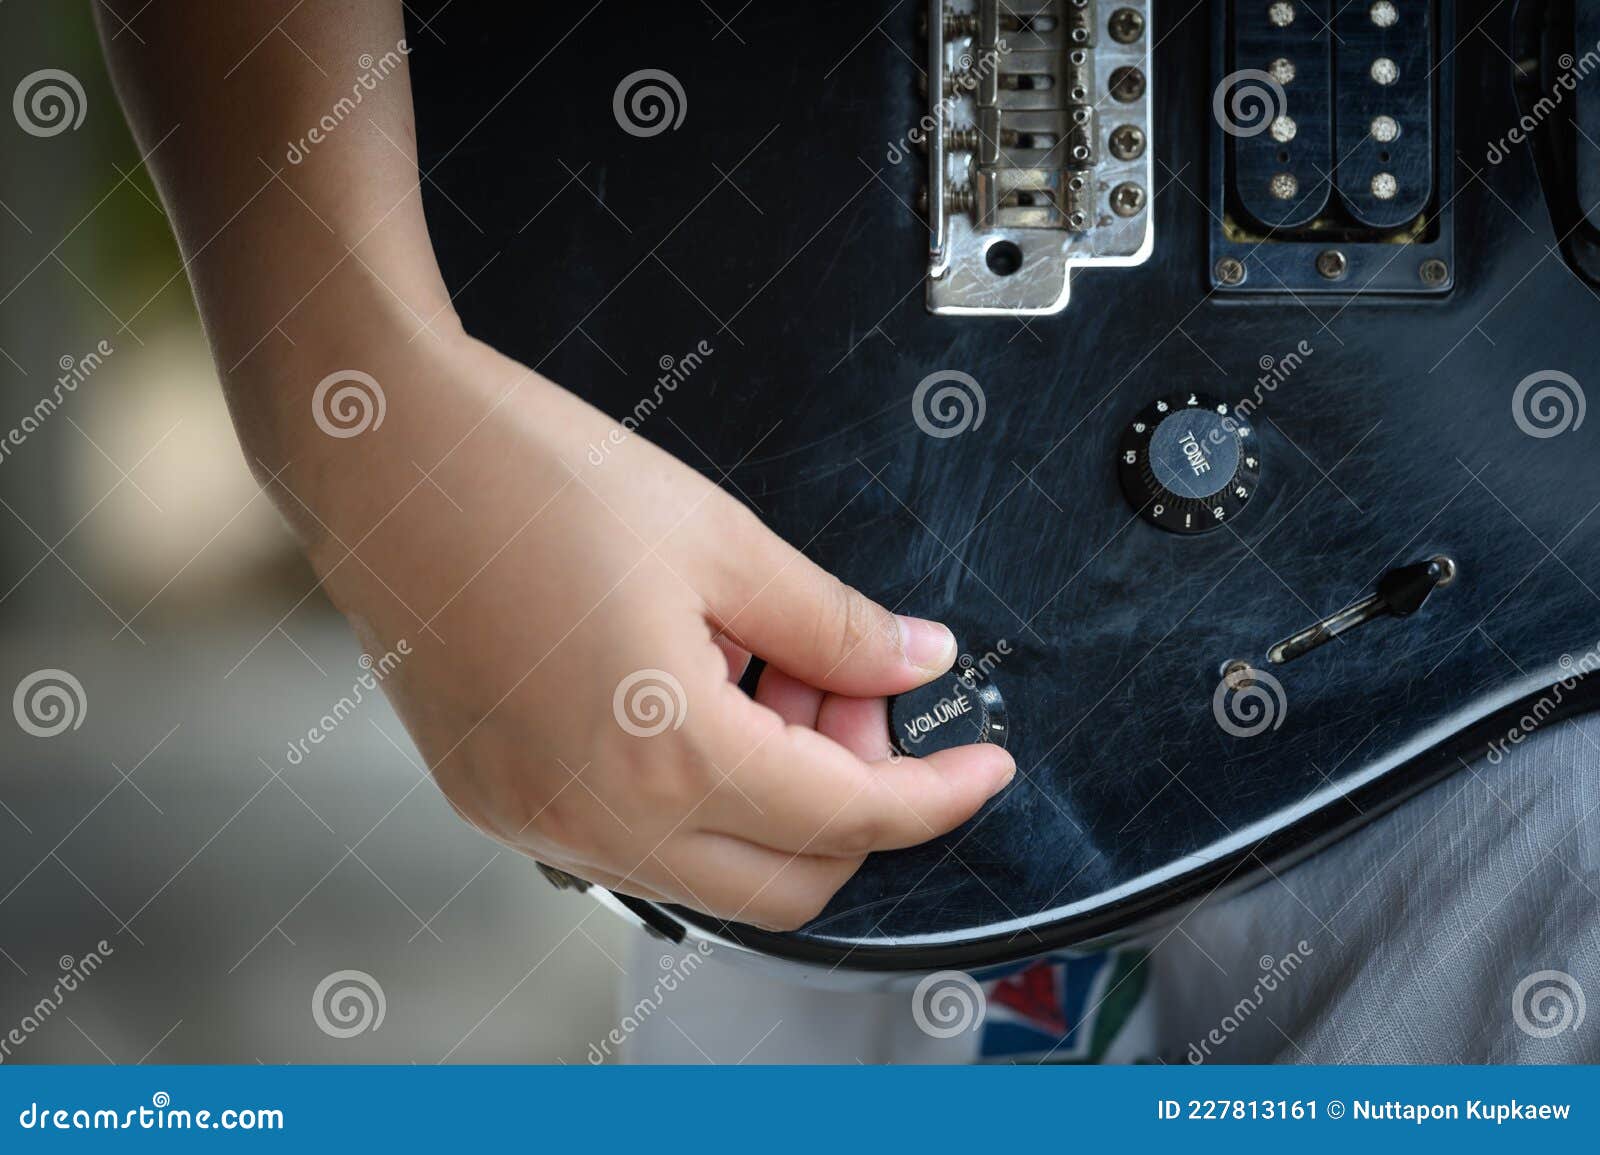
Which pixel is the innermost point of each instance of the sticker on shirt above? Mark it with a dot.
(1062, 1009)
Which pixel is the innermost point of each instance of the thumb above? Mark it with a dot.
(783, 607)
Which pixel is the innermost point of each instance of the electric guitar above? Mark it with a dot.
(1220, 382)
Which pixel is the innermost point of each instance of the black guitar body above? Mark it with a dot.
(1390, 440)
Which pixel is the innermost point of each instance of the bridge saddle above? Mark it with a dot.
(1040, 154)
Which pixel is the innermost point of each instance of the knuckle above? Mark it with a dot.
(857, 836)
(847, 618)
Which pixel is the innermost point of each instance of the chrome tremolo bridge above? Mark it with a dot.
(1040, 154)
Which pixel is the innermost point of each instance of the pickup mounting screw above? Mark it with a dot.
(1433, 272)
(1127, 142)
(1331, 264)
(1230, 271)
(1125, 25)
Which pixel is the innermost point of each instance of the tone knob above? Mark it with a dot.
(1188, 463)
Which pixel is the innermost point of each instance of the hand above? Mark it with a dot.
(575, 632)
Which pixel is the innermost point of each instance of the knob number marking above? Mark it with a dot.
(1187, 464)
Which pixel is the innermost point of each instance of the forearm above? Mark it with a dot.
(282, 140)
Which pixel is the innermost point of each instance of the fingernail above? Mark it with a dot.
(928, 645)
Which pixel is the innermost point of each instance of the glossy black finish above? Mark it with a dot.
(1393, 440)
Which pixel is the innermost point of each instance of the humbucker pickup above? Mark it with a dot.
(1039, 148)
(1332, 164)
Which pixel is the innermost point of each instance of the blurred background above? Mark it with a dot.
(165, 654)
(166, 818)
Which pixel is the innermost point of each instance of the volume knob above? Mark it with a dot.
(1188, 463)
